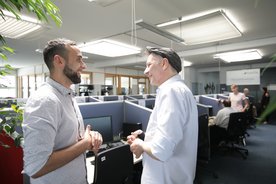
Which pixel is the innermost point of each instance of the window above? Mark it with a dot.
(8, 86)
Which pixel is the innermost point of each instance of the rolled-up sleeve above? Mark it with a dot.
(39, 133)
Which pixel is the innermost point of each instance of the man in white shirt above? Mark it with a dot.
(170, 146)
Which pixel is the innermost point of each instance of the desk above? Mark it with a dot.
(90, 167)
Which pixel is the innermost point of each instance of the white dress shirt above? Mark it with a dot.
(172, 134)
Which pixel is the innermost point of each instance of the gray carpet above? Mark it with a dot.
(258, 168)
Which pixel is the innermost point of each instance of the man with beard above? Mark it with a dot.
(55, 139)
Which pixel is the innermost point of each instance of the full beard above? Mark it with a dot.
(70, 74)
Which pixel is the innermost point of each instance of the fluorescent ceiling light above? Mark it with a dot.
(203, 28)
(109, 48)
(161, 32)
(13, 28)
(244, 55)
(186, 63)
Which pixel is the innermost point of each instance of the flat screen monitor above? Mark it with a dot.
(102, 124)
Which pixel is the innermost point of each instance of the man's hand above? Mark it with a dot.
(97, 140)
(133, 136)
(137, 147)
(94, 139)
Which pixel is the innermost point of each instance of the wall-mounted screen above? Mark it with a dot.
(101, 124)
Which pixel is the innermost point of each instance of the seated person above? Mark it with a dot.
(220, 123)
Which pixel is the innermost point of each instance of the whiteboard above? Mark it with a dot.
(243, 77)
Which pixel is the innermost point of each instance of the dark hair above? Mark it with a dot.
(56, 47)
(265, 89)
(226, 103)
(168, 53)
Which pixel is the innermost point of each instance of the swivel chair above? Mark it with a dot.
(236, 134)
(114, 165)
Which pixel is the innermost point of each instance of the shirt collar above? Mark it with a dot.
(170, 80)
(63, 90)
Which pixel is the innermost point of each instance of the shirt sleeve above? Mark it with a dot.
(39, 129)
(218, 118)
(172, 115)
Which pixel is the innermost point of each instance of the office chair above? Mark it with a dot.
(204, 150)
(236, 133)
(114, 165)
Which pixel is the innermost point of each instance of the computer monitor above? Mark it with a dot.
(102, 124)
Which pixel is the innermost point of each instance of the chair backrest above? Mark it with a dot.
(114, 164)
(203, 151)
(237, 125)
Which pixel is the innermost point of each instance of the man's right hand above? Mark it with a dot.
(133, 136)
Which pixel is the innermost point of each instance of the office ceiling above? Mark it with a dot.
(85, 21)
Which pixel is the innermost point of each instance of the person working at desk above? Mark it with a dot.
(237, 99)
(54, 137)
(170, 146)
(220, 123)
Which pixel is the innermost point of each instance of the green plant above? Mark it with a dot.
(9, 120)
(42, 9)
(272, 104)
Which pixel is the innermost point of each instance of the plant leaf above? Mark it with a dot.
(269, 109)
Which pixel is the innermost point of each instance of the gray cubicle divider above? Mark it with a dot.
(136, 96)
(132, 100)
(149, 103)
(110, 98)
(202, 109)
(112, 108)
(93, 99)
(213, 102)
(219, 96)
(137, 114)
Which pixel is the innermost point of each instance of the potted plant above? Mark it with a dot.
(42, 9)
(12, 157)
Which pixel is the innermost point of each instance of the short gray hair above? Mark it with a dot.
(168, 53)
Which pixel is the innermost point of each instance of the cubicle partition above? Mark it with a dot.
(115, 109)
(136, 96)
(220, 96)
(203, 109)
(110, 98)
(149, 103)
(214, 104)
(93, 99)
(137, 114)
